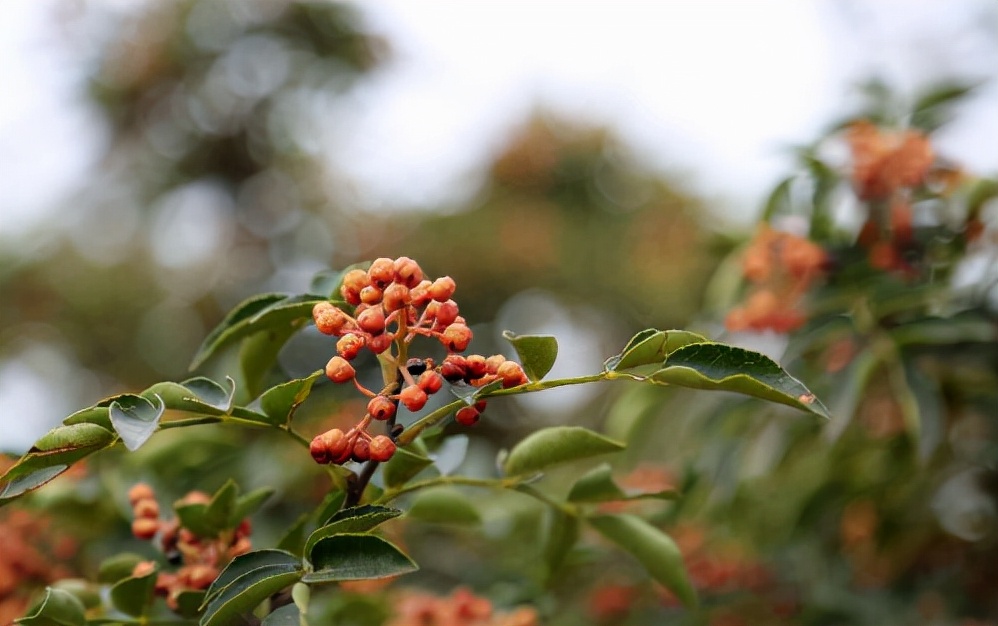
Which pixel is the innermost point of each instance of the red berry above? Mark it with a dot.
(476, 365)
(511, 374)
(468, 416)
(200, 576)
(146, 508)
(493, 362)
(456, 337)
(381, 448)
(395, 297)
(361, 450)
(430, 382)
(381, 272)
(445, 312)
(413, 398)
(407, 272)
(480, 405)
(372, 320)
(454, 368)
(319, 450)
(420, 294)
(353, 282)
(442, 288)
(349, 345)
(381, 408)
(240, 547)
(339, 370)
(371, 295)
(379, 343)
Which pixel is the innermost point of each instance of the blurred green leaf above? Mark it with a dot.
(280, 403)
(562, 534)
(597, 485)
(56, 608)
(358, 519)
(934, 108)
(718, 366)
(443, 505)
(249, 504)
(655, 550)
(537, 353)
(51, 455)
(356, 557)
(778, 202)
(403, 466)
(86, 592)
(114, 568)
(945, 330)
(293, 539)
(552, 446)
(134, 595)
(287, 615)
(189, 603)
(135, 418)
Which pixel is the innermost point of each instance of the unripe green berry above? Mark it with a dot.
(339, 370)
(381, 448)
(381, 408)
(413, 398)
(467, 416)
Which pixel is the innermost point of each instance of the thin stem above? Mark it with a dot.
(490, 483)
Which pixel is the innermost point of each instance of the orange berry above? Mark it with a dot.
(442, 288)
(349, 346)
(381, 272)
(430, 382)
(146, 508)
(140, 491)
(361, 450)
(199, 576)
(339, 370)
(143, 568)
(420, 294)
(379, 343)
(413, 398)
(407, 272)
(456, 337)
(395, 297)
(454, 368)
(511, 374)
(372, 320)
(319, 450)
(444, 312)
(145, 528)
(381, 408)
(241, 546)
(467, 416)
(196, 497)
(371, 295)
(381, 448)
(353, 282)
(336, 441)
(493, 362)
(477, 367)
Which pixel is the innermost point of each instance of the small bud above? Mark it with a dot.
(381, 448)
(413, 398)
(381, 272)
(371, 295)
(430, 382)
(407, 272)
(372, 320)
(493, 362)
(446, 313)
(468, 416)
(381, 408)
(145, 528)
(442, 288)
(353, 282)
(349, 345)
(339, 370)
(456, 337)
(140, 491)
(337, 443)
(329, 319)
(143, 568)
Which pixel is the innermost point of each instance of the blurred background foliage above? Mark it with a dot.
(212, 187)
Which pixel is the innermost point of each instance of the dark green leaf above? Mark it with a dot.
(51, 455)
(722, 367)
(97, 414)
(114, 568)
(221, 509)
(597, 485)
(135, 418)
(249, 504)
(647, 350)
(945, 331)
(244, 593)
(403, 466)
(279, 403)
(193, 516)
(655, 550)
(57, 608)
(358, 519)
(247, 563)
(134, 595)
(189, 603)
(287, 615)
(444, 505)
(537, 353)
(560, 444)
(356, 557)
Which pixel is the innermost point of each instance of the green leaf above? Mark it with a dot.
(356, 557)
(57, 608)
(196, 395)
(597, 485)
(655, 550)
(358, 519)
(85, 591)
(134, 595)
(403, 466)
(537, 353)
(559, 444)
(293, 539)
(721, 367)
(563, 533)
(249, 504)
(647, 350)
(264, 312)
(135, 418)
(778, 201)
(279, 403)
(330, 507)
(287, 615)
(444, 505)
(248, 563)
(114, 568)
(328, 282)
(96, 414)
(189, 603)
(471, 394)
(208, 520)
(51, 455)
(258, 354)
(945, 331)
(247, 591)
(933, 109)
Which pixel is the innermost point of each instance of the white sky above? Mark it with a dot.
(712, 89)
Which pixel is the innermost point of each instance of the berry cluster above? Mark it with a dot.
(31, 556)
(393, 304)
(201, 558)
(461, 608)
(782, 267)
